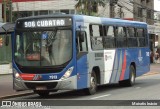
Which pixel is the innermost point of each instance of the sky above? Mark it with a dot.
(157, 5)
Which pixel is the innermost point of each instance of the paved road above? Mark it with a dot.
(6, 87)
(146, 88)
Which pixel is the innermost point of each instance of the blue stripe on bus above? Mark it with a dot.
(115, 66)
(118, 67)
(120, 64)
(82, 72)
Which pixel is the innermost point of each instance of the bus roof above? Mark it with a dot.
(110, 21)
(94, 20)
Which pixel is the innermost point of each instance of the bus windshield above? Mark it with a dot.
(43, 48)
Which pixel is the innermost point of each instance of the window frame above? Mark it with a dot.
(101, 35)
(143, 36)
(105, 36)
(126, 37)
(78, 42)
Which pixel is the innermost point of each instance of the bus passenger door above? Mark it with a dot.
(82, 64)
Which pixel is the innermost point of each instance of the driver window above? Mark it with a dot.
(81, 42)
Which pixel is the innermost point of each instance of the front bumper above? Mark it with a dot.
(66, 84)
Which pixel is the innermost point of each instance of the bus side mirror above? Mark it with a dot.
(6, 40)
(81, 36)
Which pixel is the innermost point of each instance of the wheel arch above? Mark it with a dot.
(134, 65)
(96, 69)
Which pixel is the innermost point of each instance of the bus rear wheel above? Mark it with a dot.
(42, 93)
(132, 76)
(131, 80)
(93, 84)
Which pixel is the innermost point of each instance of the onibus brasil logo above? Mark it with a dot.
(21, 104)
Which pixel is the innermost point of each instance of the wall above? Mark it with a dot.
(145, 6)
(104, 11)
(126, 10)
(44, 5)
(1, 20)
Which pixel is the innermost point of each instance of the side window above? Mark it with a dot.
(146, 37)
(141, 37)
(81, 41)
(96, 33)
(121, 37)
(109, 37)
(131, 37)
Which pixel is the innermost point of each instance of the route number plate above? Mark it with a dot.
(41, 88)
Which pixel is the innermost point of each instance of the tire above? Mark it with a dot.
(132, 76)
(131, 80)
(42, 93)
(93, 85)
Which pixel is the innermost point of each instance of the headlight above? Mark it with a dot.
(67, 73)
(16, 74)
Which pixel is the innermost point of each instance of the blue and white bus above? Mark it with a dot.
(72, 52)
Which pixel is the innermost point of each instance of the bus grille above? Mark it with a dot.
(48, 85)
(39, 70)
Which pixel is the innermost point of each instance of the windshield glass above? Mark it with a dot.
(43, 48)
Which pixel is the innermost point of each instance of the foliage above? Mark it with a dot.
(89, 7)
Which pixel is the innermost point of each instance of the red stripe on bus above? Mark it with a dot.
(27, 76)
(123, 67)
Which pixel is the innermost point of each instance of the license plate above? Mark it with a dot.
(41, 88)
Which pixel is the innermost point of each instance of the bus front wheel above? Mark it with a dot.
(93, 84)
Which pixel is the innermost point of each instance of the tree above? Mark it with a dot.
(7, 10)
(89, 7)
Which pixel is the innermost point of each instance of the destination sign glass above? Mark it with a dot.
(40, 23)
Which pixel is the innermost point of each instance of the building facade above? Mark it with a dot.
(137, 10)
(144, 11)
(1, 20)
(25, 8)
(140, 10)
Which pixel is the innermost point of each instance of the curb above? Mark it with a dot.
(16, 95)
(151, 73)
(6, 74)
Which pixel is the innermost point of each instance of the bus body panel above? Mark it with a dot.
(109, 57)
(117, 67)
(82, 72)
(95, 58)
(140, 57)
(55, 78)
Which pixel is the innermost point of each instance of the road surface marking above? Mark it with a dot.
(100, 96)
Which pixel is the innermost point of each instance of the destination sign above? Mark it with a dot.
(38, 23)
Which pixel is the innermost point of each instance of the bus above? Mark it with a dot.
(77, 52)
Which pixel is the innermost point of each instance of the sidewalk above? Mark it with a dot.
(6, 87)
(5, 69)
